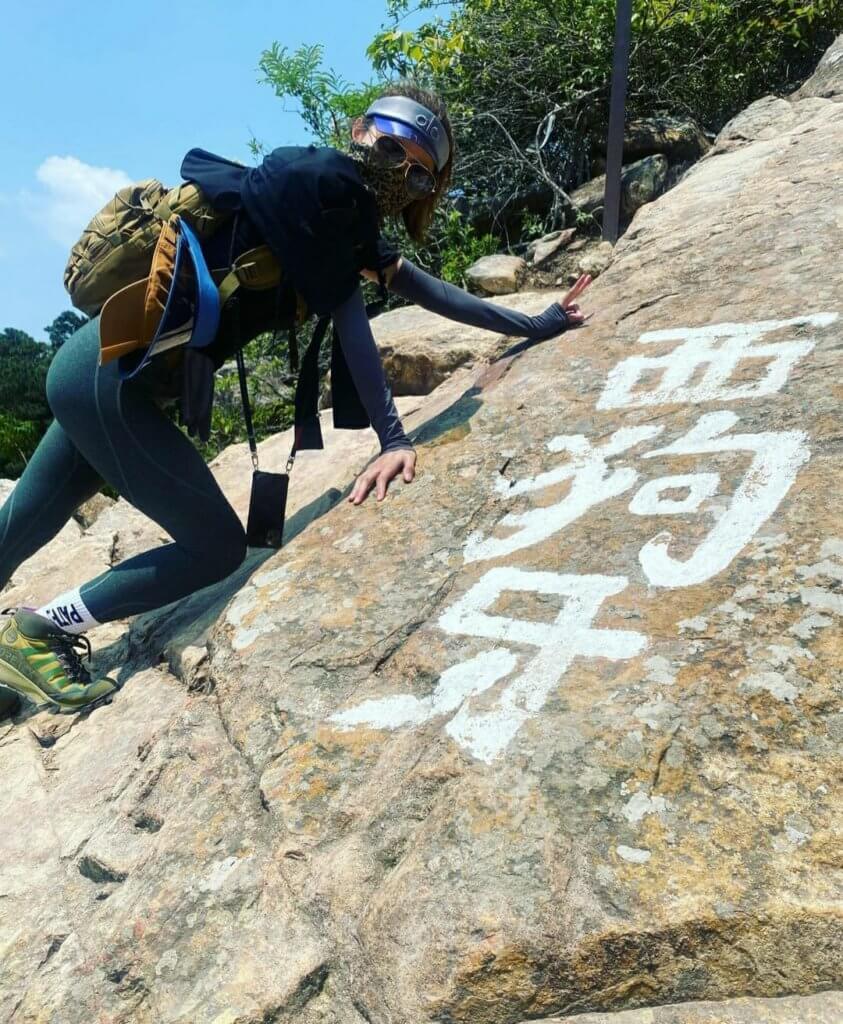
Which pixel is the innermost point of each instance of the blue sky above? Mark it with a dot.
(96, 94)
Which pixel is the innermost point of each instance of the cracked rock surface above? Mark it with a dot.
(554, 732)
(823, 1008)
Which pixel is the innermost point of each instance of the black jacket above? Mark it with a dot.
(310, 206)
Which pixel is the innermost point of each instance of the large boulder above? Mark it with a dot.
(679, 139)
(556, 729)
(496, 275)
(827, 81)
(641, 182)
(512, 827)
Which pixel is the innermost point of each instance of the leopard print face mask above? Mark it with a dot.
(386, 182)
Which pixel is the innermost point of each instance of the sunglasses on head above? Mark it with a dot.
(387, 151)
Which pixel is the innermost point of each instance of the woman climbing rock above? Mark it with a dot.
(319, 210)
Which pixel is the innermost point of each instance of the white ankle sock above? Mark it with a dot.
(69, 612)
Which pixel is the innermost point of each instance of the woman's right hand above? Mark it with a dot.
(575, 315)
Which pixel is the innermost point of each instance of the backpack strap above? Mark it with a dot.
(256, 270)
(293, 347)
(353, 413)
(247, 405)
(308, 429)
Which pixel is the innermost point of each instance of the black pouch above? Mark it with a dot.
(267, 506)
(268, 501)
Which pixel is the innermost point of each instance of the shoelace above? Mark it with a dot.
(68, 650)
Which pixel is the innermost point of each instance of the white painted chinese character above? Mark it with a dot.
(778, 456)
(486, 734)
(717, 347)
(591, 483)
(455, 685)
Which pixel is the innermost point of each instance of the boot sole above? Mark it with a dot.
(79, 709)
(14, 682)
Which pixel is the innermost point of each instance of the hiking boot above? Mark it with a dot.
(42, 664)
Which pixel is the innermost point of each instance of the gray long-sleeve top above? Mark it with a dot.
(409, 281)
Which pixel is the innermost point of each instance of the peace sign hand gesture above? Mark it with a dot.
(576, 318)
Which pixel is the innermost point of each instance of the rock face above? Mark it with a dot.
(496, 275)
(543, 248)
(641, 182)
(554, 730)
(824, 1008)
(678, 139)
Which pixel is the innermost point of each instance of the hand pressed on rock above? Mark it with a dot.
(384, 469)
(575, 315)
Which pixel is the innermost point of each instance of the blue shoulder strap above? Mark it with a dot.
(206, 316)
(202, 306)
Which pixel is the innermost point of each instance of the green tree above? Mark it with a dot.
(327, 101)
(23, 371)
(527, 81)
(64, 325)
(23, 402)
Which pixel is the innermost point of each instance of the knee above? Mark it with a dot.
(233, 551)
(226, 554)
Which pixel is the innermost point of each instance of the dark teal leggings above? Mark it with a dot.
(114, 431)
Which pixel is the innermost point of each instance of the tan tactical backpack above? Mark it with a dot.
(116, 248)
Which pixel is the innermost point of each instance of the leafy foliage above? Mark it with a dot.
(23, 370)
(24, 413)
(527, 84)
(63, 326)
(18, 440)
(327, 100)
(527, 81)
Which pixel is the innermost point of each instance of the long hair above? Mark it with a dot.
(418, 216)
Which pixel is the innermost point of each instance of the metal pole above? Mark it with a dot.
(614, 142)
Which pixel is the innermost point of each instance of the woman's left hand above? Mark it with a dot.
(383, 470)
(576, 317)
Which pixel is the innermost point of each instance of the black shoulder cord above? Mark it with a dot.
(244, 393)
(292, 339)
(268, 498)
(234, 307)
(268, 501)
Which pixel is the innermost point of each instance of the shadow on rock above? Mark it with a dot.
(456, 415)
(152, 637)
(156, 636)
(159, 636)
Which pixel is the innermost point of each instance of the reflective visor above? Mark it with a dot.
(404, 131)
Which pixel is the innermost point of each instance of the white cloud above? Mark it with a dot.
(71, 193)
